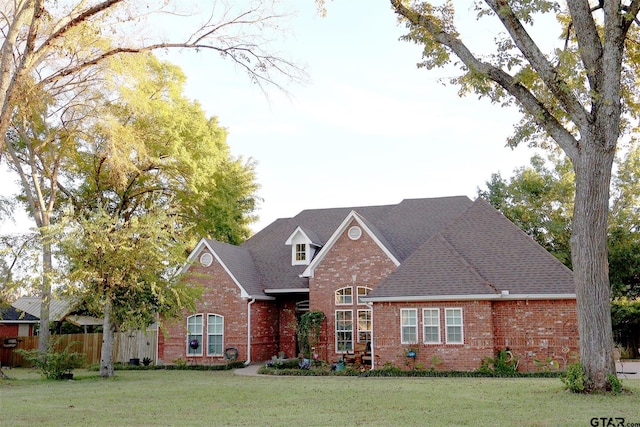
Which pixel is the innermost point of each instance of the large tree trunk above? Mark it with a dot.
(590, 265)
(106, 355)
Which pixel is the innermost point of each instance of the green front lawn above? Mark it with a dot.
(205, 398)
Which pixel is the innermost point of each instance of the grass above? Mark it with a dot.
(205, 398)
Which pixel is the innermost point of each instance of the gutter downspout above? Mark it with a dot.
(373, 355)
(248, 362)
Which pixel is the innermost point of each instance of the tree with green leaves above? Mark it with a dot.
(538, 199)
(151, 143)
(51, 46)
(152, 174)
(580, 94)
(126, 270)
(53, 52)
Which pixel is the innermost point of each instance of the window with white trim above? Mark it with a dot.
(301, 252)
(409, 326)
(364, 325)
(344, 296)
(453, 325)
(344, 331)
(362, 292)
(194, 335)
(431, 325)
(215, 335)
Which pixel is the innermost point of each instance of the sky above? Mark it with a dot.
(367, 127)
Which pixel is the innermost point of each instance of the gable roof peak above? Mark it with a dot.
(309, 235)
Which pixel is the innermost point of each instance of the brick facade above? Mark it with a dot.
(477, 330)
(222, 296)
(535, 331)
(8, 330)
(350, 263)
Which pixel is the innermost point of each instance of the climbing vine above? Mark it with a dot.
(308, 330)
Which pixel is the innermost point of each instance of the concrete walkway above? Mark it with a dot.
(628, 370)
(250, 370)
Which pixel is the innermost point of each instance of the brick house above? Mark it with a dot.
(446, 277)
(16, 323)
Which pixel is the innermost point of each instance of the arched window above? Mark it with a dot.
(362, 292)
(194, 335)
(215, 335)
(344, 296)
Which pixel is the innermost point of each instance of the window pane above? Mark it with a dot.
(344, 296)
(364, 325)
(215, 329)
(431, 319)
(409, 326)
(454, 325)
(194, 335)
(362, 292)
(344, 330)
(409, 335)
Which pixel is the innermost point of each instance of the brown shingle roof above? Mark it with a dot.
(403, 227)
(479, 253)
(240, 264)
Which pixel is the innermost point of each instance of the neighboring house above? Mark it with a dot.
(59, 310)
(16, 323)
(449, 279)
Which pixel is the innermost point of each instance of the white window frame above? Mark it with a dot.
(447, 325)
(192, 333)
(358, 296)
(404, 325)
(344, 326)
(368, 331)
(344, 296)
(300, 253)
(433, 323)
(216, 334)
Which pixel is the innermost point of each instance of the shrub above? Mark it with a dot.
(503, 365)
(615, 384)
(283, 363)
(53, 364)
(575, 379)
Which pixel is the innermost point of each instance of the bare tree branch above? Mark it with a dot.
(531, 104)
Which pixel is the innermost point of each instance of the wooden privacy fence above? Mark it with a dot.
(127, 346)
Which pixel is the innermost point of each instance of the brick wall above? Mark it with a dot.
(349, 263)
(264, 330)
(8, 330)
(287, 329)
(537, 330)
(530, 329)
(477, 336)
(222, 296)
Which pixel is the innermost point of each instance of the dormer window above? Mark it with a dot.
(302, 246)
(301, 252)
